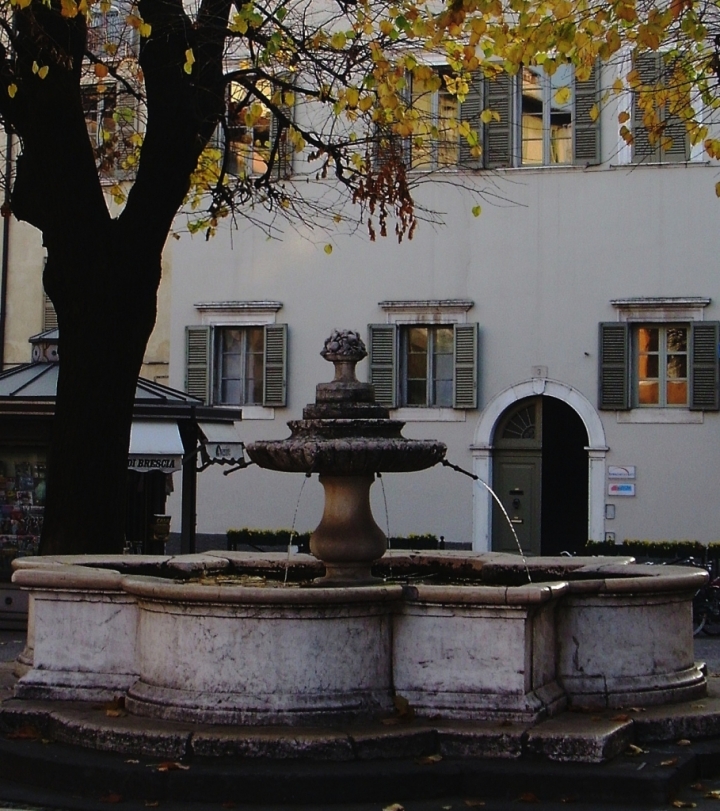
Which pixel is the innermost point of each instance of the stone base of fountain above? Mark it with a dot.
(593, 633)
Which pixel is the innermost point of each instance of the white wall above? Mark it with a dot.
(541, 265)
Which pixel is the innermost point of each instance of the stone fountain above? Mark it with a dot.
(222, 638)
(347, 438)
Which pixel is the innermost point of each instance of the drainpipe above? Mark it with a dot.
(5, 248)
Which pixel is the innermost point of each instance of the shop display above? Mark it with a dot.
(22, 503)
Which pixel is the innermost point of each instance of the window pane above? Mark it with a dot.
(443, 367)
(677, 392)
(230, 392)
(442, 396)
(417, 366)
(648, 339)
(416, 392)
(422, 103)
(677, 339)
(255, 339)
(648, 366)
(447, 138)
(677, 366)
(418, 339)
(444, 340)
(648, 392)
(232, 366)
(532, 116)
(561, 104)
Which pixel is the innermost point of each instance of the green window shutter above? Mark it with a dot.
(197, 368)
(498, 134)
(49, 319)
(704, 338)
(275, 371)
(653, 71)
(278, 134)
(465, 377)
(586, 132)
(470, 111)
(383, 363)
(614, 372)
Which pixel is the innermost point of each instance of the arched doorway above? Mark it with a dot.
(540, 474)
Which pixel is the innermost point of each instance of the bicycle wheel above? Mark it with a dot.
(712, 624)
(699, 619)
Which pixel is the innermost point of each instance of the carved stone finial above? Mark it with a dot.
(344, 344)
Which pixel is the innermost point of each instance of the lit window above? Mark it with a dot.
(661, 354)
(249, 144)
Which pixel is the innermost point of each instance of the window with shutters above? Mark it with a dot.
(425, 359)
(252, 133)
(531, 119)
(659, 366)
(233, 360)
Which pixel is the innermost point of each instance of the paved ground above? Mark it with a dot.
(702, 794)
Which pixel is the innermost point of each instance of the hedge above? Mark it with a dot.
(675, 550)
(282, 537)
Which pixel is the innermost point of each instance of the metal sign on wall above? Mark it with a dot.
(621, 471)
(621, 489)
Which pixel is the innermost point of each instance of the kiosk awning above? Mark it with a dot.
(155, 445)
(220, 444)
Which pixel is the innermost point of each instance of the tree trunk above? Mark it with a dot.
(105, 297)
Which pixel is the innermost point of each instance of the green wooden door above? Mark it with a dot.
(517, 482)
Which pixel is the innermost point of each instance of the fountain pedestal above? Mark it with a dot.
(347, 540)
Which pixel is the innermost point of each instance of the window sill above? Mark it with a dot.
(660, 416)
(428, 414)
(253, 412)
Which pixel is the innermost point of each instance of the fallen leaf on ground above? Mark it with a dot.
(403, 708)
(528, 797)
(111, 798)
(698, 706)
(446, 807)
(115, 713)
(132, 760)
(670, 762)
(470, 803)
(428, 759)
(697, 787)
(635, 750)
(637, 709)
(683, 804)
(171, 766)
(27, 732)
(683, 742)
(713, 795)
(394, 807)
(621, 717)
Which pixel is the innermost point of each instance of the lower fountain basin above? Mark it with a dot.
(346, 456)
(591, 633)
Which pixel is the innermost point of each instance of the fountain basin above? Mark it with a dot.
(346, 456)
(592, 633)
